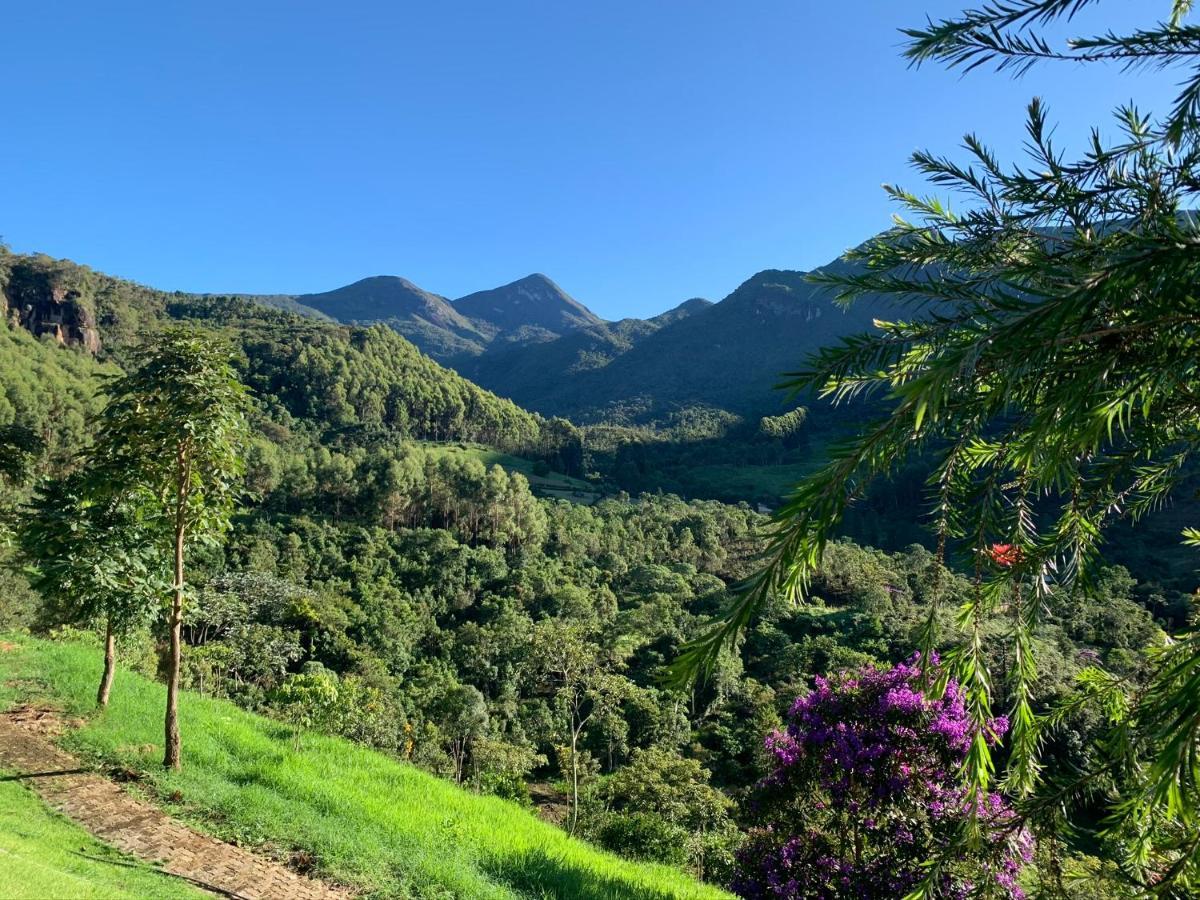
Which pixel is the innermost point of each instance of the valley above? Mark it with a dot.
(600, 451)
(431, 585)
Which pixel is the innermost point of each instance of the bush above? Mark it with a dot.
(865, 790)
(644, 835)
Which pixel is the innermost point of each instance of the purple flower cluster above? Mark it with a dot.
(865, 789)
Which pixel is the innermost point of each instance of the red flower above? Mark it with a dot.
(1005, 555)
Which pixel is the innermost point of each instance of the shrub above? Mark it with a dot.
(644, 835)
(866, 789)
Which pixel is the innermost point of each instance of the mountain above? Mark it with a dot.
(682, 311)
(529, 311)
(426, 319)
(523, 368)
(532, 302)
(531, 342)
(331, 376)
(728, 355)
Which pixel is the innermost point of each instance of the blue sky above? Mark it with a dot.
(638, 152)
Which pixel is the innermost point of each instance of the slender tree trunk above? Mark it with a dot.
(110, 664)
(574, 780)
(172, 756)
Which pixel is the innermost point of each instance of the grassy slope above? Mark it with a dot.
(371, 821)
(44, 855)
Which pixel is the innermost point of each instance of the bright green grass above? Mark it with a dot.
(42, 855)
(371, 821)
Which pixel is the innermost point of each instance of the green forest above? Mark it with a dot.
(432, 606)
(918, 625)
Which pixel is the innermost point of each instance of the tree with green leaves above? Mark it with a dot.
(1044, 357)
(19, 449)
(92, 561)
(661, 806)
(579, 674)
(172, 438)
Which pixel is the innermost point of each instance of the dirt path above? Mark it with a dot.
(143, 830)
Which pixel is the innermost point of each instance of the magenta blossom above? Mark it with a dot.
(865, 789)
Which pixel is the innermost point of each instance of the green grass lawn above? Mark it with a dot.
(43, 855)
(371, 821)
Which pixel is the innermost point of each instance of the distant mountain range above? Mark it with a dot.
(534, 343)
(531, 310)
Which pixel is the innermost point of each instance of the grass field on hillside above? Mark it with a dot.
(43, 855)
(371, 821)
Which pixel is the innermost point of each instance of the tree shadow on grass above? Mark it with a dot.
(21, 776)
(543, 875)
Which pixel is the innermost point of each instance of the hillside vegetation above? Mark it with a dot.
(347, 379)
(371, 821)
(44, 855)
(418, 598)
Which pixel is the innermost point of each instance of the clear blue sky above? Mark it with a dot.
(638, 152)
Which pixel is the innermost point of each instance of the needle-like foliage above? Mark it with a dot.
(1046, 357)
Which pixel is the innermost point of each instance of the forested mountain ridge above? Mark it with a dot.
(727, 355)
(531, 302)
(335, 377)
(532, 342)
(530, 310)
(428, 320)
(528, 341)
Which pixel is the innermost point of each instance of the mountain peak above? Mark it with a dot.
(682, 311)
(377, 298)
(534, 301)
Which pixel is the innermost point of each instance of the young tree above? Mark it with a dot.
(172, 437)
(461, 716)
(583, 685)
(92, 561)
(1048, 368)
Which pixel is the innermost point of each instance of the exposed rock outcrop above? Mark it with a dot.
(34, 299)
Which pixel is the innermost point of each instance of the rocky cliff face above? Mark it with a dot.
(33, 298)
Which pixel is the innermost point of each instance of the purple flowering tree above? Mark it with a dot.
(866, 789)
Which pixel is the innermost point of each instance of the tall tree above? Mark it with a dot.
(91, 560)
(1049, 369)
(172, 437)
(581, 679)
